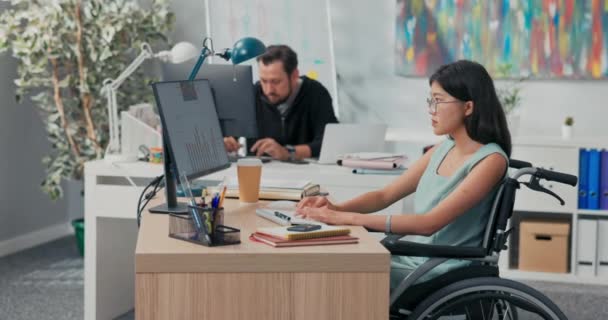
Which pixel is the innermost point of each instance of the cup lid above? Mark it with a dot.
(249, 162)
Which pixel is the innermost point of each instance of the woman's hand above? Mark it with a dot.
(326, 215)
(316, 202)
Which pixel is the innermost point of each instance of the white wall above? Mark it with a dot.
(24, 208)
(370, 92)
(190, 26)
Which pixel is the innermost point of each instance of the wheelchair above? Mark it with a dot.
(475, 291)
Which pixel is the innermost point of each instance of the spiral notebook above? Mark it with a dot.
(283, 233)
(276, 242)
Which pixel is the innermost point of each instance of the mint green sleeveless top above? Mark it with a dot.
(467, 230)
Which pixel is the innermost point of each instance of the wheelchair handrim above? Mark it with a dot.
(492, 288)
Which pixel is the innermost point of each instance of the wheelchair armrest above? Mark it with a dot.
(414, 249)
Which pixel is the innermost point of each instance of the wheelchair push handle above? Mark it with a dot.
(525, 168)
(518, 164)
(557, 176)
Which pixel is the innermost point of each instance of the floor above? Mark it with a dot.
(46, 282)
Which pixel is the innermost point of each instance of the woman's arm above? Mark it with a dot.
(399, 188)
(475, 186)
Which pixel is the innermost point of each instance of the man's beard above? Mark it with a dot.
(265, 98)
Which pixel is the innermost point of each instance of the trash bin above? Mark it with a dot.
(78, 225)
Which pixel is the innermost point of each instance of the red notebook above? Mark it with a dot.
(278, 242)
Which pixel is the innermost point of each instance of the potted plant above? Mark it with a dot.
(509, 96)
(567, 128)
(64, 50)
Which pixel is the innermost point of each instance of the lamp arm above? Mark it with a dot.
(204, 54)
(110, 86)
(146, 53)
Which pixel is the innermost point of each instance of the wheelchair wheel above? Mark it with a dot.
(487, 298)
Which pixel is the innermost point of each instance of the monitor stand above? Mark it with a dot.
(171, 206)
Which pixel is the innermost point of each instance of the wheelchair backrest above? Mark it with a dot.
(495, 235)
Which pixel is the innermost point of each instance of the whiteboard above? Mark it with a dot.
(305, 26)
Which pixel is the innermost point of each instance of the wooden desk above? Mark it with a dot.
(179, 280)
(111, 229)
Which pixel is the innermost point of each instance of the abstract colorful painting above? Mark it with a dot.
(543, 39)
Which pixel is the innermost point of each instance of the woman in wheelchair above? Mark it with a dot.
(456, 183)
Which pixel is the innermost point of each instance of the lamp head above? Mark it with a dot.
(243, 50)
(181, 52)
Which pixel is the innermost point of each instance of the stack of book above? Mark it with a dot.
(274, 189)
(374, 163)
(283, 237)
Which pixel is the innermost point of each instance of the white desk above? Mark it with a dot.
(111, 228)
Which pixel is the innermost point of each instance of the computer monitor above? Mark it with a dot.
(192, 139)
(234, 95)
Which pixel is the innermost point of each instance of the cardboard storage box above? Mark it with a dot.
(543, 246)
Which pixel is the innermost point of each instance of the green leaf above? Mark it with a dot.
(112, 34)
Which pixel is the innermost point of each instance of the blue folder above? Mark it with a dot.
(604, 181)
(593, 195)
(583, 175)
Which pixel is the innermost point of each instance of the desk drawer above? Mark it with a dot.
(560, 159)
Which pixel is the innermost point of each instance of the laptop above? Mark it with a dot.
(341, 138)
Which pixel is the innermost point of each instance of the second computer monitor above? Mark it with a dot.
(234, 96)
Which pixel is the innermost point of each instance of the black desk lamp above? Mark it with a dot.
(243, 50)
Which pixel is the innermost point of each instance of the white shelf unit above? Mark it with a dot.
(563, 156)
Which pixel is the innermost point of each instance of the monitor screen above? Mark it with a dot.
(234, 94)
(191, 128)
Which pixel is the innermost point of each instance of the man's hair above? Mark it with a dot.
(281, 53)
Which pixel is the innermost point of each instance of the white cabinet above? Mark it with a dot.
(589, 241)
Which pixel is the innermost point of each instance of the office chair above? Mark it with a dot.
(475, 291)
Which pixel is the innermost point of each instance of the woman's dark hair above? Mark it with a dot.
(282, 53)
(469, 81)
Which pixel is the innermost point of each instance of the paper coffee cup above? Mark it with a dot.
(249, 172)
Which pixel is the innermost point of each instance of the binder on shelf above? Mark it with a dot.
(604, 181)
(586, 242)
(583, 175)
(593, 198)
(602, 249)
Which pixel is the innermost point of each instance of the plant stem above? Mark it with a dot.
(85, 95)
(61, 108)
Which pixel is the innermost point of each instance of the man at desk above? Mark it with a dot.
(292, 111)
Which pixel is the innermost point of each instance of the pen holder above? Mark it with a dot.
(214, 232)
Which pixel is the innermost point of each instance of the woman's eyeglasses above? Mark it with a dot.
(432, 104)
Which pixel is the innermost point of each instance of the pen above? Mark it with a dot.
(222, 196)
(215, 201)
(199, 225)
(221, 190)
(203, 195)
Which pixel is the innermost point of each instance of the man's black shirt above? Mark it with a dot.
(304, 121)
